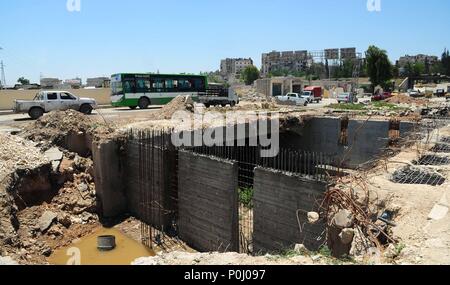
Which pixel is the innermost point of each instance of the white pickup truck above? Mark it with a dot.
(47, 101)
(293, 97)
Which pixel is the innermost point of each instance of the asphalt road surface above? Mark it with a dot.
(9, 122)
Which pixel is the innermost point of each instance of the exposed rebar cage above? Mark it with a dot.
(431, 159)
(158, 180)
(156, 212)
(415, 175)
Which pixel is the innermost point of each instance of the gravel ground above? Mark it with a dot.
(184, 258)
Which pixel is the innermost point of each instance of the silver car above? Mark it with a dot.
(347, 98)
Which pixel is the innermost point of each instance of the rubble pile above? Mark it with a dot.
(249, 93)
(31, 229)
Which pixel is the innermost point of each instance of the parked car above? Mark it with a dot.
(47, 101)
(439, 93)
(347, 98)
(294, 97)
(315, 92)
(382, 96)
(415, 94)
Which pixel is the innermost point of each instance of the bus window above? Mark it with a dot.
(143, 85)
(169, 84)
(184, 85)
(157, 85)
(129, 86)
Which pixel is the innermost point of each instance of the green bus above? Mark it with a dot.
(144, 89)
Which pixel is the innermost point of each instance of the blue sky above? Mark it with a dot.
(172, 36)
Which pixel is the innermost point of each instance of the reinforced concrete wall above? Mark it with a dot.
(108, 165)
(278, 197)
(366, 140)
(208, 202)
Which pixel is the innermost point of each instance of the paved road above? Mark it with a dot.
(10, 121)
(109, 115)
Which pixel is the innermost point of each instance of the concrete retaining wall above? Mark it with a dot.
(208, 203)
(108, 165)
(366, 140)
(277, 198)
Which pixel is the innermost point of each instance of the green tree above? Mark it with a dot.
(23, 81)
(379, 68)
(445, 62)
(250, 74)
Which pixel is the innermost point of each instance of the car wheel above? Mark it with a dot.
(223, 105)
(86, 109)
(232, 104)
(36, 113)
(143, 103)
(133, 107)
(207, 106)
(306, 104)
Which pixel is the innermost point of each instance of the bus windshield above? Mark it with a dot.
(116, 88)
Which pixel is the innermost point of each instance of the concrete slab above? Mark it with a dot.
(54, 154)
(440, 210)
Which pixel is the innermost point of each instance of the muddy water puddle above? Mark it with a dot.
(84, 251)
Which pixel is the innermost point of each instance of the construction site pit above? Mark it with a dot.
(49, 198)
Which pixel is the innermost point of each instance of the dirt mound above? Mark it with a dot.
(180, 103)
(54, 128)
(405, 99)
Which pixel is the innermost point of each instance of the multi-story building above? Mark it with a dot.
(293, 61)
(420, 58)
(231, 68)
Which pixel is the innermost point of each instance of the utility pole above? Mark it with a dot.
(2, 73)
(3, 78)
